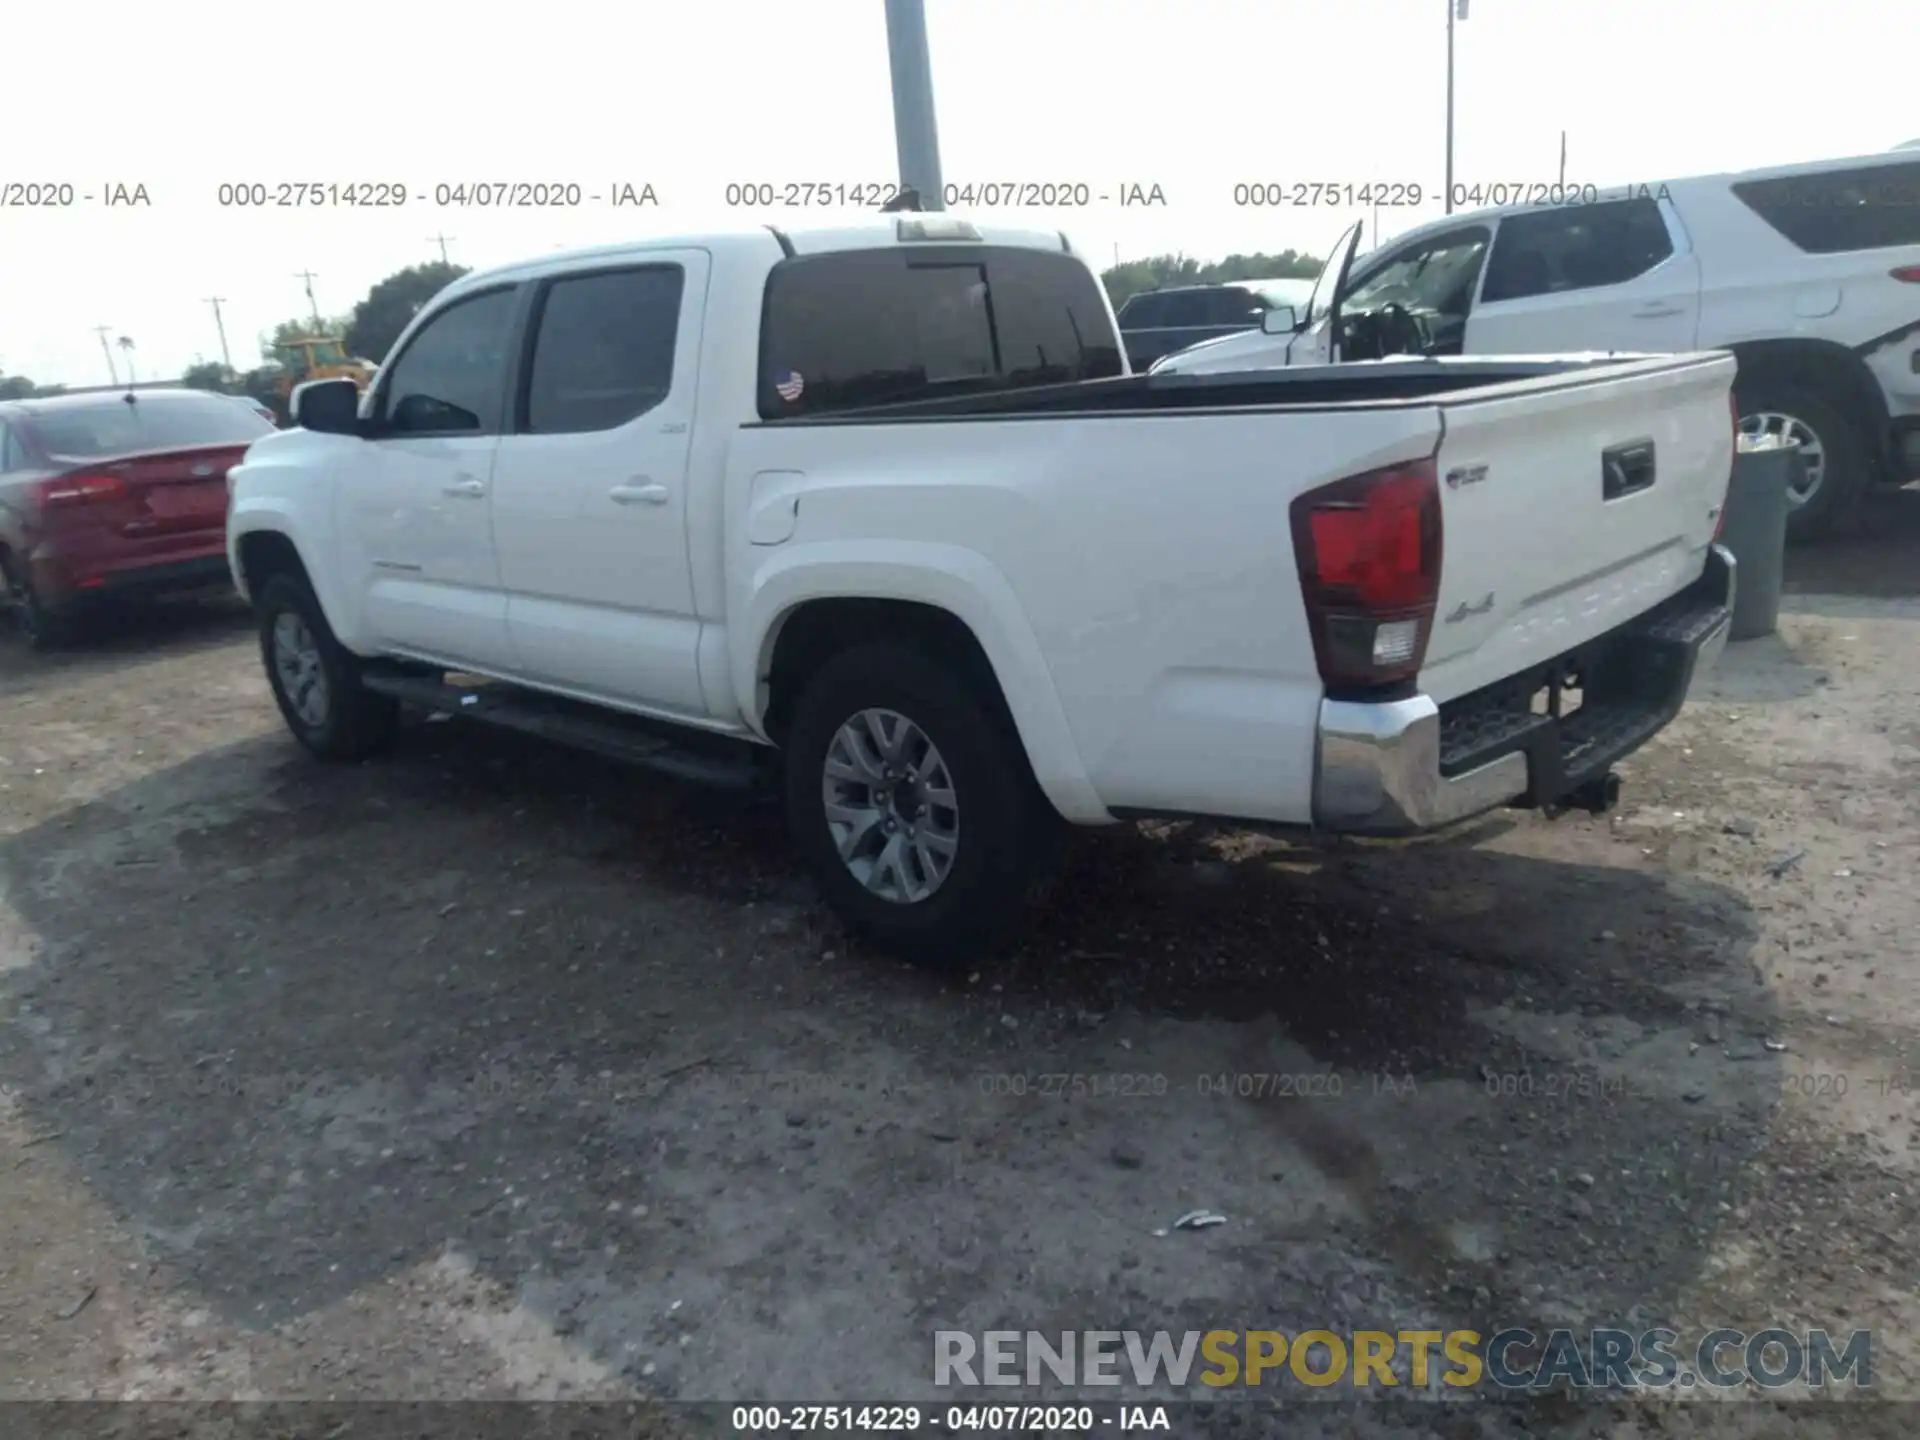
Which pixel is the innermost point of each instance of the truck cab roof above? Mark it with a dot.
(770, 243)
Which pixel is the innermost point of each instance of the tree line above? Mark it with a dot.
(371, 327)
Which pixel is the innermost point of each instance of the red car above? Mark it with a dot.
(114, 494)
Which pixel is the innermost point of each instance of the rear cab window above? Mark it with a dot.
(1868, 207)
(114, 426)
(900, 323)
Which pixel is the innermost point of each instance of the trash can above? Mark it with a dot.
(1755, 530)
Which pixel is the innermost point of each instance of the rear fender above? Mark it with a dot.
(948, 577)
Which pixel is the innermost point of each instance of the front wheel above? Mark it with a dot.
(315, 680)
(912, 804)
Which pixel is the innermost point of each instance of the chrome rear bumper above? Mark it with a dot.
(1380, 767)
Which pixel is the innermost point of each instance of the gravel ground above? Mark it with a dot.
(488, 1070)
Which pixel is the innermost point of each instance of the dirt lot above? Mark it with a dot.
(492, 1070)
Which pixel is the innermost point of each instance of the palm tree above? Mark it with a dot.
(126, 344)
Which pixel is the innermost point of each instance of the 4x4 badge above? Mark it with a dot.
(1463, 475)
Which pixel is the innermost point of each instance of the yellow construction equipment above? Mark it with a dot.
(321, 357)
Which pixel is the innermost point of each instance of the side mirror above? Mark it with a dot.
(1278, 321)
(327, 407)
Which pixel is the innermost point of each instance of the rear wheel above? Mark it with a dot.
(1837, 458)
(37, 626)
(910, 799)
(315, 680)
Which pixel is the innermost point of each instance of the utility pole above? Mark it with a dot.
(1563, 163)
(441, 241)
(308, 276)
(915, 136)
(1456, 10)
(226, 356)
(113, 373)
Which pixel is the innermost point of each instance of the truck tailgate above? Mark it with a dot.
(1570, 504)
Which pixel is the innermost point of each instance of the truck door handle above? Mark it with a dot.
(640, 492)
(466, 485)
(1656, 311)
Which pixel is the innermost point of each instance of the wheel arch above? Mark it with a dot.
(262, 545)
(803, 612)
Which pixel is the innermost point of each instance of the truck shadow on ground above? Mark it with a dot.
(589, 1027)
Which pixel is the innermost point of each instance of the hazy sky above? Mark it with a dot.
(1193, 97)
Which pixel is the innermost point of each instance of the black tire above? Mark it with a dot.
(352, 722)
(41, 630)
(1848, 457)
(1004, 825)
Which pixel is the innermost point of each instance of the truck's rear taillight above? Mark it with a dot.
(1908, 273)
(1720, 516)
(1368, 549)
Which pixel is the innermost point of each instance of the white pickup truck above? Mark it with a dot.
(880, 513)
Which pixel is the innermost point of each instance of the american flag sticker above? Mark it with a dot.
(790, 386)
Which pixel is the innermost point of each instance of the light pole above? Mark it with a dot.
(915, 136)
(1456, 10)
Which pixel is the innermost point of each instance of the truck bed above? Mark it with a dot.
(1368, 384)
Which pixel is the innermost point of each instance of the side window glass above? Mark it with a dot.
(448, 379)
(1828, 213)
(13, 451)
(1522, 264)
(1578, 247)
(1185, 307)
(1144, 312)
(604, 351)
(1232, 306)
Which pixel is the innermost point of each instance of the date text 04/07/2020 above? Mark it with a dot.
(956, 195)
(1042, 1419)
(444, 194)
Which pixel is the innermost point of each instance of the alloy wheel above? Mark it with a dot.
(891, 806)
(297, 663)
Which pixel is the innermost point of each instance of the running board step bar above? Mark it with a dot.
(714, 761)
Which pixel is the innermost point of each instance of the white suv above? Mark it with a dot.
(1809, 273)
